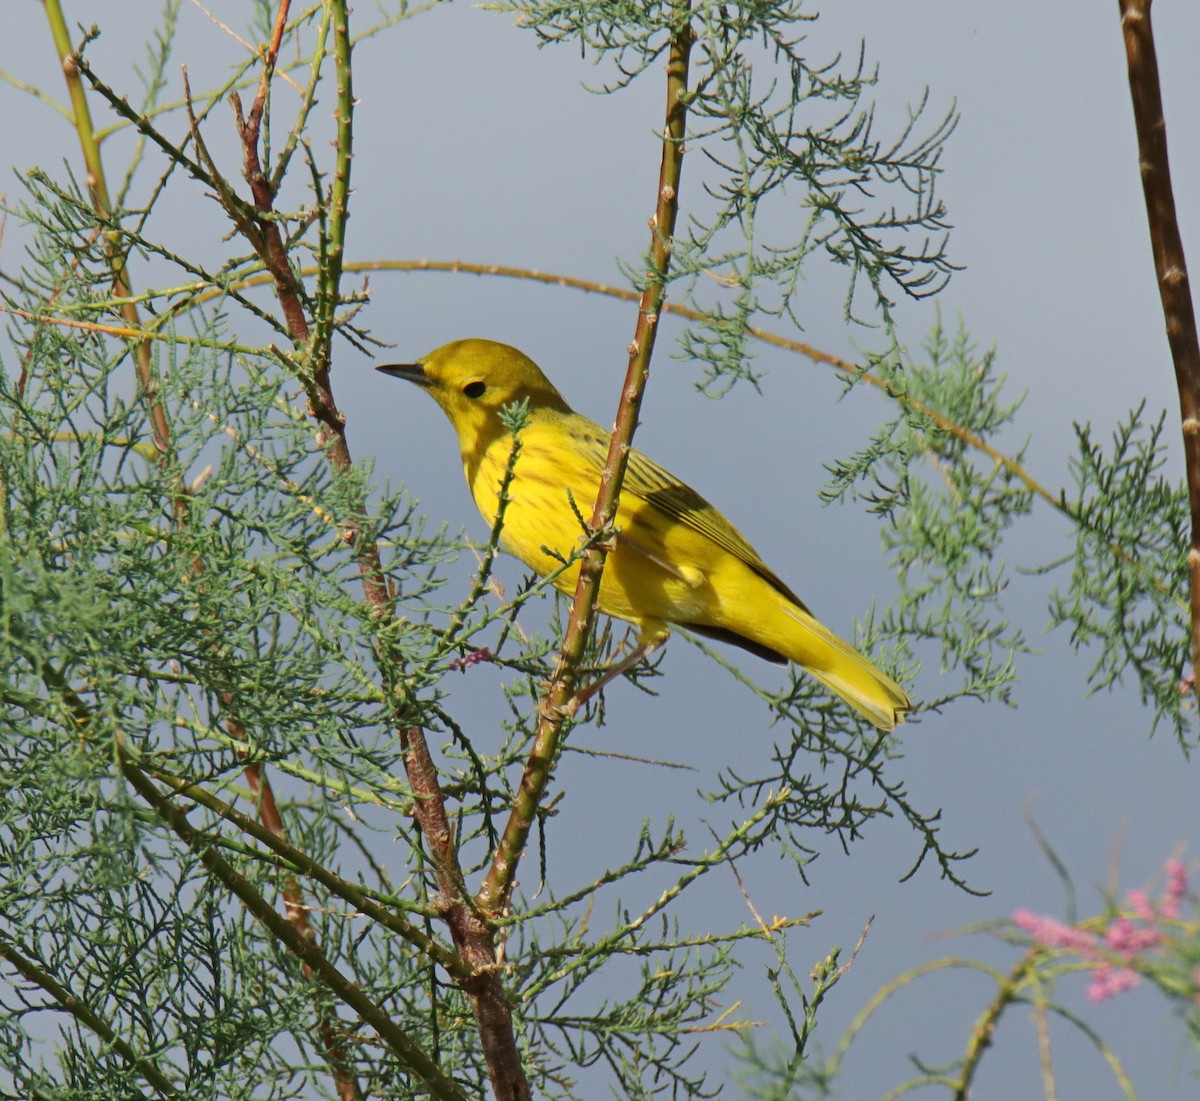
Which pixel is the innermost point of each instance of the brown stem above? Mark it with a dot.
(266, 237)
(268, 69)
(472, 936)
(1170, 266)
(274, 252)
(329, 1031)
(552, 709)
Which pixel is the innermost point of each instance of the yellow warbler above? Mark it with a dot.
(675, 558)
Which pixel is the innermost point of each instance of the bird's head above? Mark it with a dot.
(472, 380)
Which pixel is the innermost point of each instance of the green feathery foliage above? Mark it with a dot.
(245, 828)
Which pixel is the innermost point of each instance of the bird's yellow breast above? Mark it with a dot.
(553, 489)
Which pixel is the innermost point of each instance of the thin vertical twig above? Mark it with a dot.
(473, 937)
(1170, 267)
(263, 192)
(493, 896)
(98, 188)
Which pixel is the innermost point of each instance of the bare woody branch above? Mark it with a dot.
(473, 937)
(494, 895)
(1170, 267)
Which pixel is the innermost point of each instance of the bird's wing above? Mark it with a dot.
(645, 479)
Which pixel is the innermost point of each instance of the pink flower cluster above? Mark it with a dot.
(1125, 938)
(473, 658)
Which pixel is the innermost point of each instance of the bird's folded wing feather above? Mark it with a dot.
(645, 479)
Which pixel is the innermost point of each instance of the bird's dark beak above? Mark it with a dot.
(412, 372)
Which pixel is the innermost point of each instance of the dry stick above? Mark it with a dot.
(1170, 266)
(474, 939)
(494, 895)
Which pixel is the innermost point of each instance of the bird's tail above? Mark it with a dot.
(841, 668)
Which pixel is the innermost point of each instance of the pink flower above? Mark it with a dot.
(1054, 934)
(1109, 981)
(1127, 940)
(1130, 937)
(474, 658)
(1140, 905)
(1176, 888)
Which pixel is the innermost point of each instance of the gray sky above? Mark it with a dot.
(472, 144)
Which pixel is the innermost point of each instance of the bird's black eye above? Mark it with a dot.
(475, 389)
